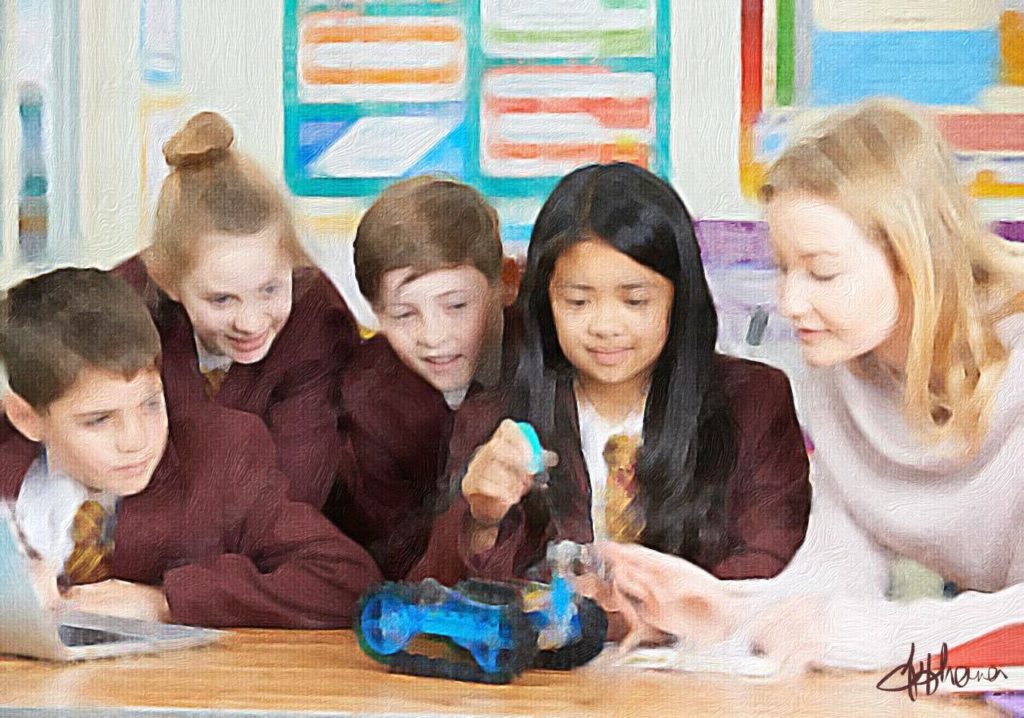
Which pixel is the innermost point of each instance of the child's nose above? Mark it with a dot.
(606, 320)
(248, 320)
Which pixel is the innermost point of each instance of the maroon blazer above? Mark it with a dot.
(767, 506)
(293, 389)
(215, 529)
(395, 429)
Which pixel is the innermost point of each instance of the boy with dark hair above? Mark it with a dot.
(179, 519)
(428, 257)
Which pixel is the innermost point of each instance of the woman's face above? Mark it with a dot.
(611, 313)
(836, 285)
(239, 294)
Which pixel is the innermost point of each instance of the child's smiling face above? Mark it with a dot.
(438, 322)
(611, 313)
(239, 294)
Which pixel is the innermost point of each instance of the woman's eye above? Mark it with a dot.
(637, 302)
(98, 420)
(271, 290)
(823, 277)
(220, 300)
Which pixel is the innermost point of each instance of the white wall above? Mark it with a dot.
(232, 63)
(706, 108)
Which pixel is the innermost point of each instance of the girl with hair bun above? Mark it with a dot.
(245, 319)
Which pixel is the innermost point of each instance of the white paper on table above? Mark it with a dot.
(730, 657)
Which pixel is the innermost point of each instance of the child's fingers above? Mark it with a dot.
(549, 459)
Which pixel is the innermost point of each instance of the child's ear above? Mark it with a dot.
(510, 277)
(23, 417)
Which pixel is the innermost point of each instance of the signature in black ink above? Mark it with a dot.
(921, 675)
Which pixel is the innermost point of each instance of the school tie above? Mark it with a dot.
(89, 561)
(622, 519)
(214, 379)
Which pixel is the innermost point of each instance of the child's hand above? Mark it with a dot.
(499, 475)
(120, 598)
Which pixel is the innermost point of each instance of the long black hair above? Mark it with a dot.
(689, 445)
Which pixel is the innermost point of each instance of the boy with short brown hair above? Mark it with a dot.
(182, 518)
(428, 257)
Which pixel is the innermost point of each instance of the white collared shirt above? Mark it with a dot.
(210, 362)
(46, 508)
(594, 435)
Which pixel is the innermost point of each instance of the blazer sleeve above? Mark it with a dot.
(447, 557)
(770, 498)
(286, 566)
(303, 415)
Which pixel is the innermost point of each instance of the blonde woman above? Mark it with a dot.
(908, 315)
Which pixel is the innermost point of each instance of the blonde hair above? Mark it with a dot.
(212, 188)
(889, 170)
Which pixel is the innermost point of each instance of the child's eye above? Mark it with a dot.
(220, 300)
(823, 277)
(153, 404)
(271, 290)
(457, 305)
(401, 316)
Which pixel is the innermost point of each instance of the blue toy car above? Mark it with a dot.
(481, 631)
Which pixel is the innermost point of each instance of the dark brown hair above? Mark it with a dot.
(426, 223)
(213, 188)
(53, 325)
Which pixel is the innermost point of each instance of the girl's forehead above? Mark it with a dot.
(241, 259)
(599, 264)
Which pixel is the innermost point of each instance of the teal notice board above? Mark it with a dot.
(507, 95)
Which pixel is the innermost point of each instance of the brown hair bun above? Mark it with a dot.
(203, 140)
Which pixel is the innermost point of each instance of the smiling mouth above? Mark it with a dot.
(609, 356)
(133, 468)
(809, 334)
(442, 362)
(250, 343)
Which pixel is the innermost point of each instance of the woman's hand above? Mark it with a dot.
(658, 592)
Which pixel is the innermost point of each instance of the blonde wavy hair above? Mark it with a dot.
(885, 164)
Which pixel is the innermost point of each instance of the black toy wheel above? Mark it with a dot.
(593, 633)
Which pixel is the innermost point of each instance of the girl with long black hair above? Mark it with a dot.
(651, 435)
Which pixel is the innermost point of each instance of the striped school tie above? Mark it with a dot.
(622, 519)
(214, 379)
(89, 561)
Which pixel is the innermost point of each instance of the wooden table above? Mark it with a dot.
(284, 673)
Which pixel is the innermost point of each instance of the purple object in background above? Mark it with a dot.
(1011, 704)
(725, 243)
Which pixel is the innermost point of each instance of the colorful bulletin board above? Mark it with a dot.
(965, 59)
(507, 95)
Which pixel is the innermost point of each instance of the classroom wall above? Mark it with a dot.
(231, 59)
